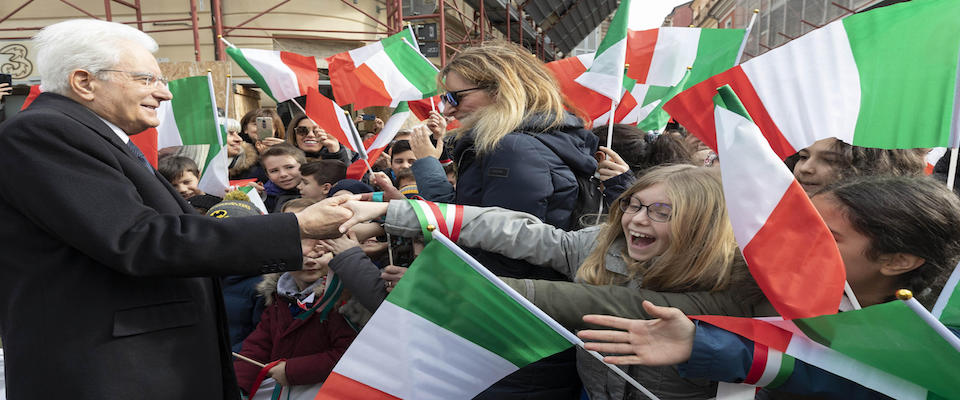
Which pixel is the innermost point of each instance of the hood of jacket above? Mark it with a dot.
(268, 288)
(246, 160)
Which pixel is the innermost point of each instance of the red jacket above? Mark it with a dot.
(311, 346)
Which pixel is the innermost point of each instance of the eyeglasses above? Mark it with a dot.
(659, 212)
(145, 78)
(304, 130)
(453, 98)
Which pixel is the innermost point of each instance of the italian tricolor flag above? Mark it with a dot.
(605, 74)
(281, 74)
(447, 331)
(334, 120)
(375, 145)
(254, 197)
(947, 307)
(885, 78)
(769, 208)
(382, 73)
(660, 63)
(190, 118)
(885, 347)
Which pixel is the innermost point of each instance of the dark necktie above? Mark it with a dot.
(136, 151)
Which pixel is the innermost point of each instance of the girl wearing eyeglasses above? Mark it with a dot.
(668, 236)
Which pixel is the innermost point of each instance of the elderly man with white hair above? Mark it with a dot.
(105, 278)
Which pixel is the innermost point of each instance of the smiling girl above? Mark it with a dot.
(668, 233)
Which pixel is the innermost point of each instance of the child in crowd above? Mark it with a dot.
(316, 178)
(451, 172)
(282, 163)
(301, 324)
(401, 156)
(182, 173)
(406, 182)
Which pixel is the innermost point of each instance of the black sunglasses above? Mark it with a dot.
(453, 98)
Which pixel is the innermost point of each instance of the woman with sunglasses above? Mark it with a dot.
(668, 238)
(516, 148)
(306, 135)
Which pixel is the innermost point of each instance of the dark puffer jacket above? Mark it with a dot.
(531, 170)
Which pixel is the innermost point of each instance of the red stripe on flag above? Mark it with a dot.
(34, 92)
(640, 47)
(758, 365)
(147, 142)
(693, 108)
(339, 387)
(305, 68)
(584, 101)
(797, 292)
(324, 112)
(457, 224)
(358, 168)
(372, 91)
(342, 81)
(441, 221)
(753, 329)
(627, 104)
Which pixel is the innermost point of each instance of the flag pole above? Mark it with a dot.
(907, 297)
(953, 168)
(847, 290)
(433, 106)
(946, 292)
(226, 42)
(746, 35)
(226, 100)
(526, 304)
(249, 360)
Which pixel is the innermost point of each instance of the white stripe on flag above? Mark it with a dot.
(735, 132)
(216, 177)
(279, 77)
(397, 85)
(770, 370)
(818, 75)
(362, 54)
(168, 134)
(407, 356)
(676, 49)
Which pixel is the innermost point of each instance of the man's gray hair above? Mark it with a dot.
(86, 44)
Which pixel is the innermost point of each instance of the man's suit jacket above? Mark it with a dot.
(105, 288)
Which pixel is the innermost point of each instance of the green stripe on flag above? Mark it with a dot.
(716, 52)
(786, 369)
(657, 119)
(418, 71)
(892, 338)
(252, 72)
(907, 57)
(401, 108)
(443, 289)
(193, 112)
(727, 99)
(617, 30)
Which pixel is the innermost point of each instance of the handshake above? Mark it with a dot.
(333, 216)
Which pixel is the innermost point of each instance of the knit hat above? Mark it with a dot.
(351, 185)
(233, 208)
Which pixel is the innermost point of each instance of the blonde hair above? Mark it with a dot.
(702, 248)
(518, 84)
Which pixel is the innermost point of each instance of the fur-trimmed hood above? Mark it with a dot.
(268, 287)
(246, 160)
